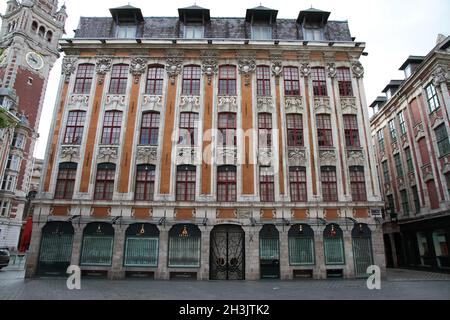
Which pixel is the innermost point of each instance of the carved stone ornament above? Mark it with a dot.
(103, 66)
(246, 67)
(190, 104)
(265, 104)
(348, 106)
(147, 154)
(227, 104)
(226, 156)
(210, 66)
(355, 158)
(327, 158)
(68, 67)
(358, 69)
(70, 152)
(115, 101)
(297, 157)
(152, 102)
(322, 105)
(440, 75)
(332, 70)
(187, 155)
(79, 101)
(107, 153)
(174, 66)
(138, 67)
(265, 156)
(305, 70)
(277, 68)
(293, 104)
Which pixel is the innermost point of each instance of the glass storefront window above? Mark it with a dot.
(441, 241)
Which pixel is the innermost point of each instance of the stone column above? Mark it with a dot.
(285, 269)
(75, 260)
(117, 271)
(379, 257)
(349, 268)
(320, 269)
(204, 255)
(162, 272)
(252, 267)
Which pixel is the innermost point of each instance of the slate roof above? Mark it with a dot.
(218, 28)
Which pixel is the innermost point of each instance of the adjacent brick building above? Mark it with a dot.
(213, 148)
(410, 134)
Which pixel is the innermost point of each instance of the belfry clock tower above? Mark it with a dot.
(29, 37)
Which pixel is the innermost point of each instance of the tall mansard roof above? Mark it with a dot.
(215, 28)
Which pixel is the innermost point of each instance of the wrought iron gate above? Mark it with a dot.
(227, 254)
(362, 249)
(56, 248)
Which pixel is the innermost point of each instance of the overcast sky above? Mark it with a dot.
(392, 30)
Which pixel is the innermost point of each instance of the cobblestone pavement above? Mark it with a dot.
(400, 284)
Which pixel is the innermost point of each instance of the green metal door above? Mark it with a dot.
(362, 253)
(141, 252)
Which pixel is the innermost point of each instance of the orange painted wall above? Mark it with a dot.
(280, 138)
(166, 160)
(90, 143)
(248, 173)
(54, 146)
(207, 125)
(127, 148)
(311, 142)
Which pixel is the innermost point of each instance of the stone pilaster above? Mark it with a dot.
(252, 267)
(117, 271)
(162, 273)
(204, 255)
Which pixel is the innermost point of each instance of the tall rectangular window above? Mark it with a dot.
(75, 127)
(401, 119)
(104, 185)
(227, 129)
(261, 32)
(405, 203)
(83, 81)
(19, 141)
(150, 129)
(8, 183)
(263, 80)
(409, 159)
(66, 181)
(297, 182)
(329, 184)
(119, 79)
(295, 130)
(351, 131)
(13, 163)
(4, 208)
(380, 136)
(344, 82)
(432, 98)
(194, 31)
(386, 175)
(191, 81)
(111, 127)
(265, 130)
(291, 81)
(126, 31)
(227, 80)
(319, 81)
(358, 183)
(416, 199)
(155, 80)
(145, 183)
(266, 184)
(442, 140)
(398, 165)
(185, 190)
(324, 133)
(188, 129)
(313, 34)
(226, 184)
(392, 130)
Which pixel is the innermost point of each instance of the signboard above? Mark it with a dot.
(376, 213)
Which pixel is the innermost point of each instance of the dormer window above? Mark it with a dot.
(194, 31)
(261, 32)
(126, 31)
(261, 20)
(313, 34)
(313, 22)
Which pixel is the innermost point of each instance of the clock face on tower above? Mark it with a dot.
(35, 60)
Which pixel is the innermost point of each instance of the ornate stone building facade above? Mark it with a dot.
(213, 148)
(29, 38)
(410, 134)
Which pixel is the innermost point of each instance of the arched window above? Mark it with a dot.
(191, 80)
(301, 245)
(141, 245)
(185, 188)
(56, 248)
(104, 186)
(49, 36)
(83, 81)
(226, 184)
(333, 242)
(119, 79)
(362, 248)
(75, 127)
(97, 246)
(155, 80)
(34, 26)
(227, 80)
(42, 31)
(66, 180)
(150, 129)
(263, 80)
(145, 182)
(269, 252)
(184, 246)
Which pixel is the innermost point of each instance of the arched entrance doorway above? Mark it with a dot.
(97, 248)
(141, 245)
(56, 248)
(227, 253)
(362, 249)
(269, 252)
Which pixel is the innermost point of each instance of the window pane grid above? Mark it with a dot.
(104, 187)
(145, 183)
(263, 81)
(319, 81)
(351, 131)
(75, 127)
(267, 187)
(155, 80)
(265, 130)
(186, 184)
(191, 80)
(295, 130)
(344, 82)
(297, 180)
(150, 128)
(324, 133)
(65, 183)
(83, 81)
(291, 81)
(433, 100)
(227, 81)
(329, 184)
(442, 140)
(119, 79)
(111, 127)
(358, 184)
(226, 185)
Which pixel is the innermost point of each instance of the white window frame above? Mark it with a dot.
(194, 31)
(4, 208)
(14, 162)
(19, 141)
(125, 31)
(261, 32)
(314, 34)
(8, 183)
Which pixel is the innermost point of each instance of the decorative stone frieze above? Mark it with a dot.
(115, 101)
(327, 157)
(210, 65)
(78, 101)
(138, 67)
(103, 66)
(147, 154)
(226, 156)
(436, 119)
(297, 157)
(277, 68)
(246, 67)
(69, 153)
(152, 103)
(440, 75)
(412, 179)
(174, 65)
(418, 131)
(358, 69)
(68, 67)
(322, 105)
(305, 70)
(293, 104)
(348, 105)
(355, 158)
(332, 70)
(265, 104)
(190, 104)
(108, 153)
(265, 156)
(187, 155)
(227, 104)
